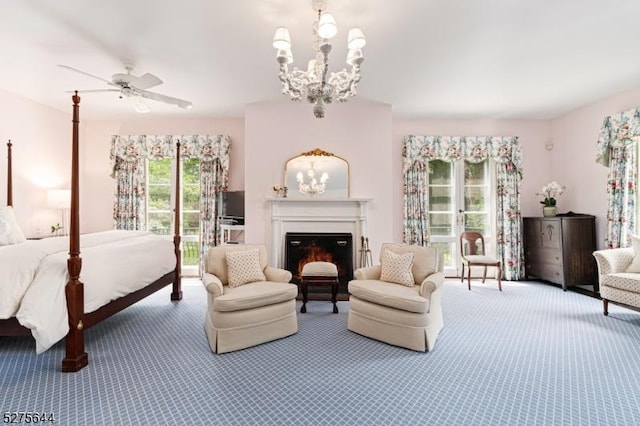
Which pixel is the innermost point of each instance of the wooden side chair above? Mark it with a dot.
(472, 253)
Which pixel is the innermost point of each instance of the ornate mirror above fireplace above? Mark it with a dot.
(317, 174)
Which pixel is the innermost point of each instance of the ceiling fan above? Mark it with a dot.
(134, 88)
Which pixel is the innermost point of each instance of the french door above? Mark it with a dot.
(160, 201)
(461, 198)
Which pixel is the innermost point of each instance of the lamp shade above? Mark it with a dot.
(356, 39)
(59, 198)
(281, 39)
(327, 27)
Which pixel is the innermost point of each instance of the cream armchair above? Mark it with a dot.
(408, 315)
(616, 283)
(244, 315)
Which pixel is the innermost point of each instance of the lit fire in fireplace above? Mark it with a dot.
(305, 247)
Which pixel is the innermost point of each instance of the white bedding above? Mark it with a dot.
(33, 276)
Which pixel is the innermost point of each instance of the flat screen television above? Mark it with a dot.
(231, 207)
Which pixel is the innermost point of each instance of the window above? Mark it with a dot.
(160, 202)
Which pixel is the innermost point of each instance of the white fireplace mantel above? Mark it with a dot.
(315, 215)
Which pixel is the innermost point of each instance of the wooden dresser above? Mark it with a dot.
(559, 249)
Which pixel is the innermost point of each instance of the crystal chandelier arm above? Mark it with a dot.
(294, 83)
(286, 85)
(345, 83)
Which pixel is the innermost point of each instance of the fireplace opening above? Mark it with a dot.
(304, 247)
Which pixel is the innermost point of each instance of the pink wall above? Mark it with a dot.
(574, 137)
(363, 133)
(359, 132)
(41, 138)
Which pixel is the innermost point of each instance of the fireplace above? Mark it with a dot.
(348, 215)
(305, 247)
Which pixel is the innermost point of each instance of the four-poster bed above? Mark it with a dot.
(100, 250)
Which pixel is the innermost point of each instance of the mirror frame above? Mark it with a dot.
(317, 152)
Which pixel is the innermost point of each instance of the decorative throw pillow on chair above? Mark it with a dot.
(396, 268)
(635, 264)
(243, 267)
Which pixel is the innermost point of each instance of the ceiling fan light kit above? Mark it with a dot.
(134, 88)
(314, 84)
(139, 104)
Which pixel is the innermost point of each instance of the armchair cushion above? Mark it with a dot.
(254, 295)
(396, 268)
(627, 281)
(388, 294)
(243, 267)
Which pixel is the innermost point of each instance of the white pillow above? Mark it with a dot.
(10, 232)
(243, 267)
(635, 264)
(396, 268)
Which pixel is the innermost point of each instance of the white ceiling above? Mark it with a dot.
(427, 58)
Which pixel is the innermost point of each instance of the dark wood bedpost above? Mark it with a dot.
(75, 358)
(9, 176)
(177, 291)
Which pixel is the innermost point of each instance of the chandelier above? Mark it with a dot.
(314, 84)
(313, 187)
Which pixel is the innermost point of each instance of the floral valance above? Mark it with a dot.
(133, 148)
(617, 130)
(503, 149)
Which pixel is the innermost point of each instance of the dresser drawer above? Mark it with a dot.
(543, 255)
(546, 271)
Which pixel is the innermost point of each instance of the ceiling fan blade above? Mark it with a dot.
(164, 98)
(146, 81)
(85, 73)
(92, 90)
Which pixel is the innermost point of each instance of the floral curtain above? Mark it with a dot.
(128, 156)
(616, 149)
(416, 230)
(213, 152)
(506, 151)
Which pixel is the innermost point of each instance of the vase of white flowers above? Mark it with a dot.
(550, 192)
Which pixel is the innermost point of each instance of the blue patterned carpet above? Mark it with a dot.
(531, 355)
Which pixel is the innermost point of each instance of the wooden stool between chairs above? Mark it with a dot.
(319, 273)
